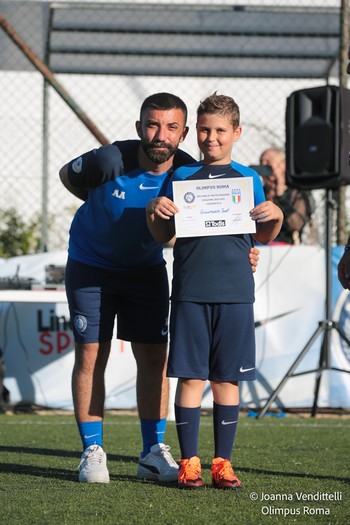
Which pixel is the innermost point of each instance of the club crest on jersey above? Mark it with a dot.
(119, 194)
(77, 165)
(236, 195)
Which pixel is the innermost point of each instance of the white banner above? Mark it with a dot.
(37, 344)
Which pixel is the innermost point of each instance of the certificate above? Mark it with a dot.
(214, 208)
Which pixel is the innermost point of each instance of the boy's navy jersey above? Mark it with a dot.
(110, 229)
(214, 269)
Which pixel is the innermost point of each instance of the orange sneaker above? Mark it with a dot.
(190, 473)
(223, 475)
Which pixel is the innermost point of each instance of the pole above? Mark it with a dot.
(52, 80)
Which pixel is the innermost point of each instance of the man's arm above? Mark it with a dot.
(92, 169)
(81, 193)
(298, 216)
(344, 267)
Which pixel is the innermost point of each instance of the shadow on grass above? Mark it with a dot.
(52, 472)
(69, 475)
(292, 474)
(61, 453)
(55, 473)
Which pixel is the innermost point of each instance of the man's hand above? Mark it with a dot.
(254, 258)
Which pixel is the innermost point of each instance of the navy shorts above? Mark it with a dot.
(212, 341)
(138, 298)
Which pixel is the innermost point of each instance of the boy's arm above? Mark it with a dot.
(269, 219)
(159, 213)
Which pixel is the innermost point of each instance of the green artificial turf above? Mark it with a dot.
(293, 470)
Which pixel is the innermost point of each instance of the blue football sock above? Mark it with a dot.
(91, 433)
(152, 431)
(225, 420)
(187, 427)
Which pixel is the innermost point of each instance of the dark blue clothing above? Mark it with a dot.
(115, 267)
(109, 230)
(214, 269)
(212, 318)
(139, 299)
(212, 341)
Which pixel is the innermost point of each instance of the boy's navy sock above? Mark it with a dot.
(91, 433)
(225, 420)
(152, 431)
(187, 427)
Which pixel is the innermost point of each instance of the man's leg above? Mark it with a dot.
(88, 389)
(152, 385)
(152, 389)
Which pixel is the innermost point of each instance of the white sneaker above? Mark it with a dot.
(158, 464)
(92, 466)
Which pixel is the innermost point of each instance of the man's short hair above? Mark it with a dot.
(164, 101)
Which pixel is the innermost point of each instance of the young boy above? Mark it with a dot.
(211, 323)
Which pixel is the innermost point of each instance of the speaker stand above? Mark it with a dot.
(325, 327)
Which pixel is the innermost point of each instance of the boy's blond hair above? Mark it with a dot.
(221, 105)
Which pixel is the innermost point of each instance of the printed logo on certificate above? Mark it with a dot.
(214, 208)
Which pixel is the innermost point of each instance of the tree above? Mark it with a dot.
(16, 236)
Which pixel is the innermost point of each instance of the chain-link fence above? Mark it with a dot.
(72, 72)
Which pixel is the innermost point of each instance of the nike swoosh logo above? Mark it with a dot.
(223, 422)
(164, 331)
(182, 423)
(92, 436)
(142, 187)
(216, 176)
(242, 370)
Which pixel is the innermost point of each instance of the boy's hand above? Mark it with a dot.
(265, 212)
(163, 207)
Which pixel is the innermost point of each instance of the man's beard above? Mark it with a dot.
(156, 156)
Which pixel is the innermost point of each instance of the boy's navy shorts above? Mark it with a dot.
(212, 341)
(138, 298)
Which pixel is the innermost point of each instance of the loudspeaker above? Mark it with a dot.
(318, 138)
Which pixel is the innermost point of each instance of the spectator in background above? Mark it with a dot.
(297, 206)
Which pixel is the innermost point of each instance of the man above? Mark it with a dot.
(115, 268)
(296, 205)
(344, 267)
(344, 263)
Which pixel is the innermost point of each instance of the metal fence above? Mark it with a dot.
(73, 74)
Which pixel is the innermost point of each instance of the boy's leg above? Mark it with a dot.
(187, 414)
(225, 416)
(225, 420)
